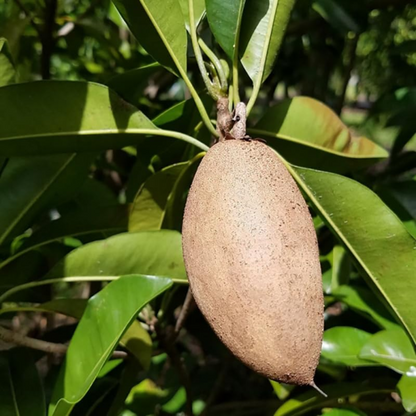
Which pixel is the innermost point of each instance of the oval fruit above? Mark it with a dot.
(252, 260)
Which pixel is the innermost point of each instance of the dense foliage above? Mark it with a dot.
(106, 109)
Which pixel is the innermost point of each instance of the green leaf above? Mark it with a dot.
(81, 222)
(199, 11)
(401, 198)
(149, 206)
(30, 186)
(378, 241)
(176, 202)
(136, 339)
(343, 412)
(311, 400)
(364, 301)
(336, 16)
(407, 390)
(282, 390)
(312, 135)
(91, 117)
(262, 30)
(7, 69)
(159, 27)
(224, 18)
(157, 253)
(98, 334)
(21, 392)
(391, 348)
(340, 269)
(130, 84)
(343, 344)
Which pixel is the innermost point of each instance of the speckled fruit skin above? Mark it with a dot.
(252, 260)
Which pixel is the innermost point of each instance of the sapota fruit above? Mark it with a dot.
(252, 260)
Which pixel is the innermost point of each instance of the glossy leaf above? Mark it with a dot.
(306, 402)
(21, 392)
(407, 390)
(130, 85)
(342, 345)
(149, 206)
(262, 30)
(199, 11)
(308, 133)
(7, 69)
(336, 16)
(159, 27)
(364, 301)
(157, 253)
(29, 186)
(91, 117)
(391, 348)
(378, 241)
(224, 18)
(136, 339)
(97, 335)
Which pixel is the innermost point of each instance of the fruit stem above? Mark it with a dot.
(318, 389)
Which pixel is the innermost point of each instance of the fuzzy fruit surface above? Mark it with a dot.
(252, 260)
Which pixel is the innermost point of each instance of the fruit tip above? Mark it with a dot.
(318, 389)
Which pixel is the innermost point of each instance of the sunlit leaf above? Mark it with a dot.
(377, 240)
(407, 389)
(97, 335)
(262, 30)
(157, 253)
(159, 27)
(308, 133)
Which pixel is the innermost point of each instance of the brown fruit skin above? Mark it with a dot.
(252, 260)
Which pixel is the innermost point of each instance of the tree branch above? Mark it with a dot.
(14, 338)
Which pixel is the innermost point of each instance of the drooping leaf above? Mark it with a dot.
(340, 270)
(97, 335)
(308, 133)
(336, 15)
(377, 240)
(224, 18)
(91, 117)
(199, 11)
(159, 27)
(149, 206)
(130, 85)
(407, 390)
(364, 301)
(391, 348)
(7, 69)
(262, 30)
(21, 392)
(30, 186)
(157, 253)
(311, 400)
(136, 339)
(343, 344)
